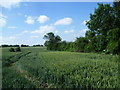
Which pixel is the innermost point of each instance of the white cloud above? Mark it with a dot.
(12, 27)
(45, 29)
(34, 37)
(84, 22)
(30, 20)
(9, 3)
(69, 31)
(64, 21)
(42, 19)
(2, 20)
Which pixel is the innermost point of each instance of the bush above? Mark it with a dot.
(18, 49)
(15, 50)
(11, 50)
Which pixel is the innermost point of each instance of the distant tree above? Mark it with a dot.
(15, 45)
(49, 36)
(38, 45)
(24, 45)
(52, 41)
(5, 45)
(41, 45)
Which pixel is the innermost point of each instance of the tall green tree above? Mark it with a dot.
(99, 25)
(104, 28)
(116, 8)
(52, 41)
(102, 20)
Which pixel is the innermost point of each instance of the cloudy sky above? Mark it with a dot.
(28, 22)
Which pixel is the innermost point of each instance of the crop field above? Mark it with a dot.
(36, 67)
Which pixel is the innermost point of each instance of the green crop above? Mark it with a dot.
(39, 68)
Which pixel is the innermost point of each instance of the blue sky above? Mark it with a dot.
(28, 22)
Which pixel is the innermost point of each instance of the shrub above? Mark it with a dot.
(11, 50)
(18, 49)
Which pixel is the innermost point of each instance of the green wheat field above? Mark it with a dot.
(36, 67)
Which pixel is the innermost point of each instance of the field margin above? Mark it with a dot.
(0, 67)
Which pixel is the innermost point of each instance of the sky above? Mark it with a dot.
(28, 22)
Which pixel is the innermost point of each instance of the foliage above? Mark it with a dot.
(11, 50)
(80, 44)
(15, 49)
(104, 29)
(38, 45)
(52, 42)
(4, 45)
(100, 21)
(114, 41)
(18, 49)
(24, 45)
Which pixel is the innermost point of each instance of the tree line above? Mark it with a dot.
(103, 34)
(22, 45)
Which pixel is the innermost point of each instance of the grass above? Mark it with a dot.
(0, 67)
(56, 69)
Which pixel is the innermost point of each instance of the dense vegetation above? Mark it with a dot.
(35, 67)
(103, 34)
(15, 49)
(5, 45)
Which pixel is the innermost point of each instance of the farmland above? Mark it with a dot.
(36, 67)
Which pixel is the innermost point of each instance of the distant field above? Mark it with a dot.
(38, 68)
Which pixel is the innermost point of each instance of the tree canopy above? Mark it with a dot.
(52, 41)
